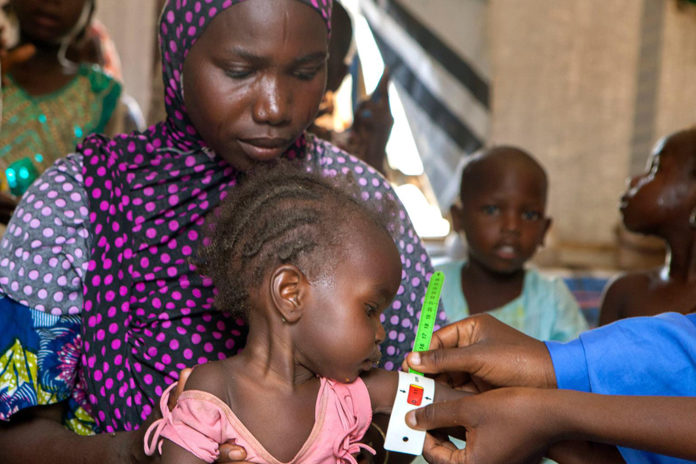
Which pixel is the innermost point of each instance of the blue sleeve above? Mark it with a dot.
(649, 356)
(635, 356)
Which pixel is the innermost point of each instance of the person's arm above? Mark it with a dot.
(531, 420)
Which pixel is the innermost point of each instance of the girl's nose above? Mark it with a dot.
(511, 222)
(272, 102)
(381, 334)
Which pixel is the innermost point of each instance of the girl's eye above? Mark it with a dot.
(371, 310)
(490, 209)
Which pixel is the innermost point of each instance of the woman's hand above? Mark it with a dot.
(229, 451)
(480, 352)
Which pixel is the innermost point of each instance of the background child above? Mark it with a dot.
(54, 98)
(660, 202)
(314, 325)
(503, 216)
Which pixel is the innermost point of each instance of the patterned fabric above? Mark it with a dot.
(545, 310)
(122, 219)
(201, 421)
(45, 128)
(38, 365)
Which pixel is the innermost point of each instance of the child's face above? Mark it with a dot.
(504, 219)
(665, 191)
(47, 21)
(254, 80)
(340, 331)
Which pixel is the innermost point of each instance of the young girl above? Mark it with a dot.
(660, 202)
(312, 269)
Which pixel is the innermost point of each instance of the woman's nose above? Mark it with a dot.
(272, 102)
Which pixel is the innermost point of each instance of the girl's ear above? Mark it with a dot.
(288, 288)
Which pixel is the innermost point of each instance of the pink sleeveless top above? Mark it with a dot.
(200, 422)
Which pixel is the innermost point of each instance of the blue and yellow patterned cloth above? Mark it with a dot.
(38, 355)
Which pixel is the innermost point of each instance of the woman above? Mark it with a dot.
(100, 244)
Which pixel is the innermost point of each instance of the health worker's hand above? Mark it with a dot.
(480, 352)
(502, 426)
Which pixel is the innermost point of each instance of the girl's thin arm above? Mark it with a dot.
(660, 424)
(382, 387)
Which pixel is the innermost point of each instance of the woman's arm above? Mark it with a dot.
(36, 435)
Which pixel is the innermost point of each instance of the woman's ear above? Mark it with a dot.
(288, 287)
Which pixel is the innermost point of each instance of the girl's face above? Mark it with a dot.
(504, 221)
(254, 80)
(47, 21)
(340, 330)
(665, 191)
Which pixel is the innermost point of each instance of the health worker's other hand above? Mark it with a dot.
(480, 352)
(502, 426)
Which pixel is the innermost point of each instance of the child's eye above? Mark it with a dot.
(371, 310)
(490, 209)
(531, 215)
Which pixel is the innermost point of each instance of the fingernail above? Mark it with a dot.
(411, 419)
(235, 455)
(415, 358)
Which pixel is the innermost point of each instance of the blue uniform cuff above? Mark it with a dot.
(570, 365)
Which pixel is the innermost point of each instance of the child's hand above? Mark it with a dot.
(481, 353)
(9, 58)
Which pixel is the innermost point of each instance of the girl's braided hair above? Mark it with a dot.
(281, 213)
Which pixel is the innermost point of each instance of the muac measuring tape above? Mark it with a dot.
(415, 390)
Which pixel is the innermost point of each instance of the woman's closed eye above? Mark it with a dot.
(307, 73)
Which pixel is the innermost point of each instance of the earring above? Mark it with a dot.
(692, 219)
(283, 320)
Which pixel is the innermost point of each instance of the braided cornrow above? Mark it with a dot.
(280, 213)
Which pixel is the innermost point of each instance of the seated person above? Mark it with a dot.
(660, 202)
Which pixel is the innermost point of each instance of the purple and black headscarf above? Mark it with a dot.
(147, 312)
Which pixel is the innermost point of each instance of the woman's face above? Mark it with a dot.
(254, 79)
(47, 21)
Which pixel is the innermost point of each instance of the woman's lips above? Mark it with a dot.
(264, 148)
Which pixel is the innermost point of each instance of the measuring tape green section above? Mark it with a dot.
(428, 315)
